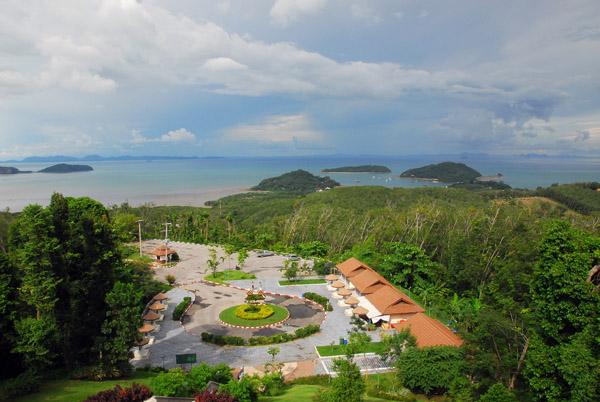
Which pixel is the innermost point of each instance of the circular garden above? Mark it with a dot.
(254, 315)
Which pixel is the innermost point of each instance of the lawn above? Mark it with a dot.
(231, 275)
(229, 317)
(302, 282)
(339, 350)
(303, 393)
(76, 390)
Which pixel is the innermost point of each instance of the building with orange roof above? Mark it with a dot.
(162, 255)
(382, 299)
(429, 331)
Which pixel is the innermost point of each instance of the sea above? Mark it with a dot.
(194, 181)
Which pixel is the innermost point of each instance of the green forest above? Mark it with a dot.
(447, 172)
(359, 169)
(509, 270)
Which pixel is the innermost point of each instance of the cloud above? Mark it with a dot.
(477, 128)
(291, 129)
(174, 137)
(284, 12)
(582, 136)
(424, 13)
(365, 14)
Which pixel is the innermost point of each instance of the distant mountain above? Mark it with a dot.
(299, 181)
(358, 169)
(447, 172)
(64, 168)
(57, 158)
(98, 158)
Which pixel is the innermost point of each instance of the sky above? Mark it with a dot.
(299, 77)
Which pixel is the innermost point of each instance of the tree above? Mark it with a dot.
(348, 386)
(562, 363)
(498, 393)
(396, 343)
(120, 329)
(358, 342)
(229, 250)
(242, 255)
(213, 262)
(408, 266)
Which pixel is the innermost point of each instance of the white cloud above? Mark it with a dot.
(177, 136)
(284, 12)
(365, 14)
(174, 137)
(424, 13)
(276, 130)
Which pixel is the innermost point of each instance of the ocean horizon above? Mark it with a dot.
(195, 181)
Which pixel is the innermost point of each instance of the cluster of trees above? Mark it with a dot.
(67, 298)
(447, 172)
(299, 181)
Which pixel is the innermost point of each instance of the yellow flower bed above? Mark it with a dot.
(253, 312)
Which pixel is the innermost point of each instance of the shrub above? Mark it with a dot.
(181, 307)
(252, 312)
(321, 300)
(254, 297)
(307, 331)
(97, 373)
(207, 396)
(243, 390)
(170, 279)
(26, 383)
(135, 393)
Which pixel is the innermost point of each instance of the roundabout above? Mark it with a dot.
(254, 316)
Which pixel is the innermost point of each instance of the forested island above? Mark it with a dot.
(445, 172)
(12, 170)
(513, 272)
(358, 169)
(298, 181)
(66, 168)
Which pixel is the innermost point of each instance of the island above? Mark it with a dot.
(299, 181)
(65, 168)
(359, 169)
(12, 170)
(446, 172)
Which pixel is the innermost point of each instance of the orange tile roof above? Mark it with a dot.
(389, 300)
(350, 265)
(374, 288)
(429, 331)
(356, 272)
(365, 280)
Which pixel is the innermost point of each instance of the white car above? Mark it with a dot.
(265, 253)
(292, 257)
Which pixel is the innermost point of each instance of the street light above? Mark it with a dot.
(167, 240)
(139, 222)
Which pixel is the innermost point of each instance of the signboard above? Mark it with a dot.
(185, 359)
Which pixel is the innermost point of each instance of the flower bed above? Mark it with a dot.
(228, 316)
(254, 312)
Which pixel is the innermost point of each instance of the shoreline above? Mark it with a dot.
(185, 199)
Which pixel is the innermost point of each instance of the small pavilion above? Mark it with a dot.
(162, 255)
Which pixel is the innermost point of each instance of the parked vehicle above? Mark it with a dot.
(265, 253)
(292, 257)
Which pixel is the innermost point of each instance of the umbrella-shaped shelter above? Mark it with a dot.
(160, 296)
(351, 301)
(146, 328)
(156, 306)
(344, 292)
(360, 310)
(332, 277)
(151, 316)
(162, 255)
(338, 285)
(143, 342)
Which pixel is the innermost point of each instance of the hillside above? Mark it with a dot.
(64, 168)
(447, 172)
(358, 169)
(298, 181)
(12, 170)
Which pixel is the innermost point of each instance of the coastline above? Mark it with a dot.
(195, 198)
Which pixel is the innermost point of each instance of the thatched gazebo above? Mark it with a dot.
(162, 255)
(360, 310)
(344, 292)
(146, 328)
(151, 316)
(160, 296)
(156, 306)
(338, 285)
(143, 342)
(331, 278)
(351, 301)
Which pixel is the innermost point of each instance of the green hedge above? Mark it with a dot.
(261, 340)
(181, 307)
(322, 300)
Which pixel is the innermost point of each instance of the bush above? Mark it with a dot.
(25, 384)
(322, 380)
(135, 393)
(307, 331)
(207, 396)
(252, 312)
(99, 372)
(181, 307)
(321, 300)
(243, 390)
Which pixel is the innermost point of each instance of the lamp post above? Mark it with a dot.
(167, 240)
(139, 222)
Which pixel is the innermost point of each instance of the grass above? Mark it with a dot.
(339, 350)
(231, 275)
(229, 317)
(305, 393)
(78, 390)
(302, 282)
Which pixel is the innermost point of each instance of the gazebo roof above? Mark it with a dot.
(146, 328)
(338, 285)
(156, 306)
(160, 250)
(332, 277)
(143, 342)
(151, 316)
(360, 310)
(160, 296)
(344, 292)
(351, 301)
